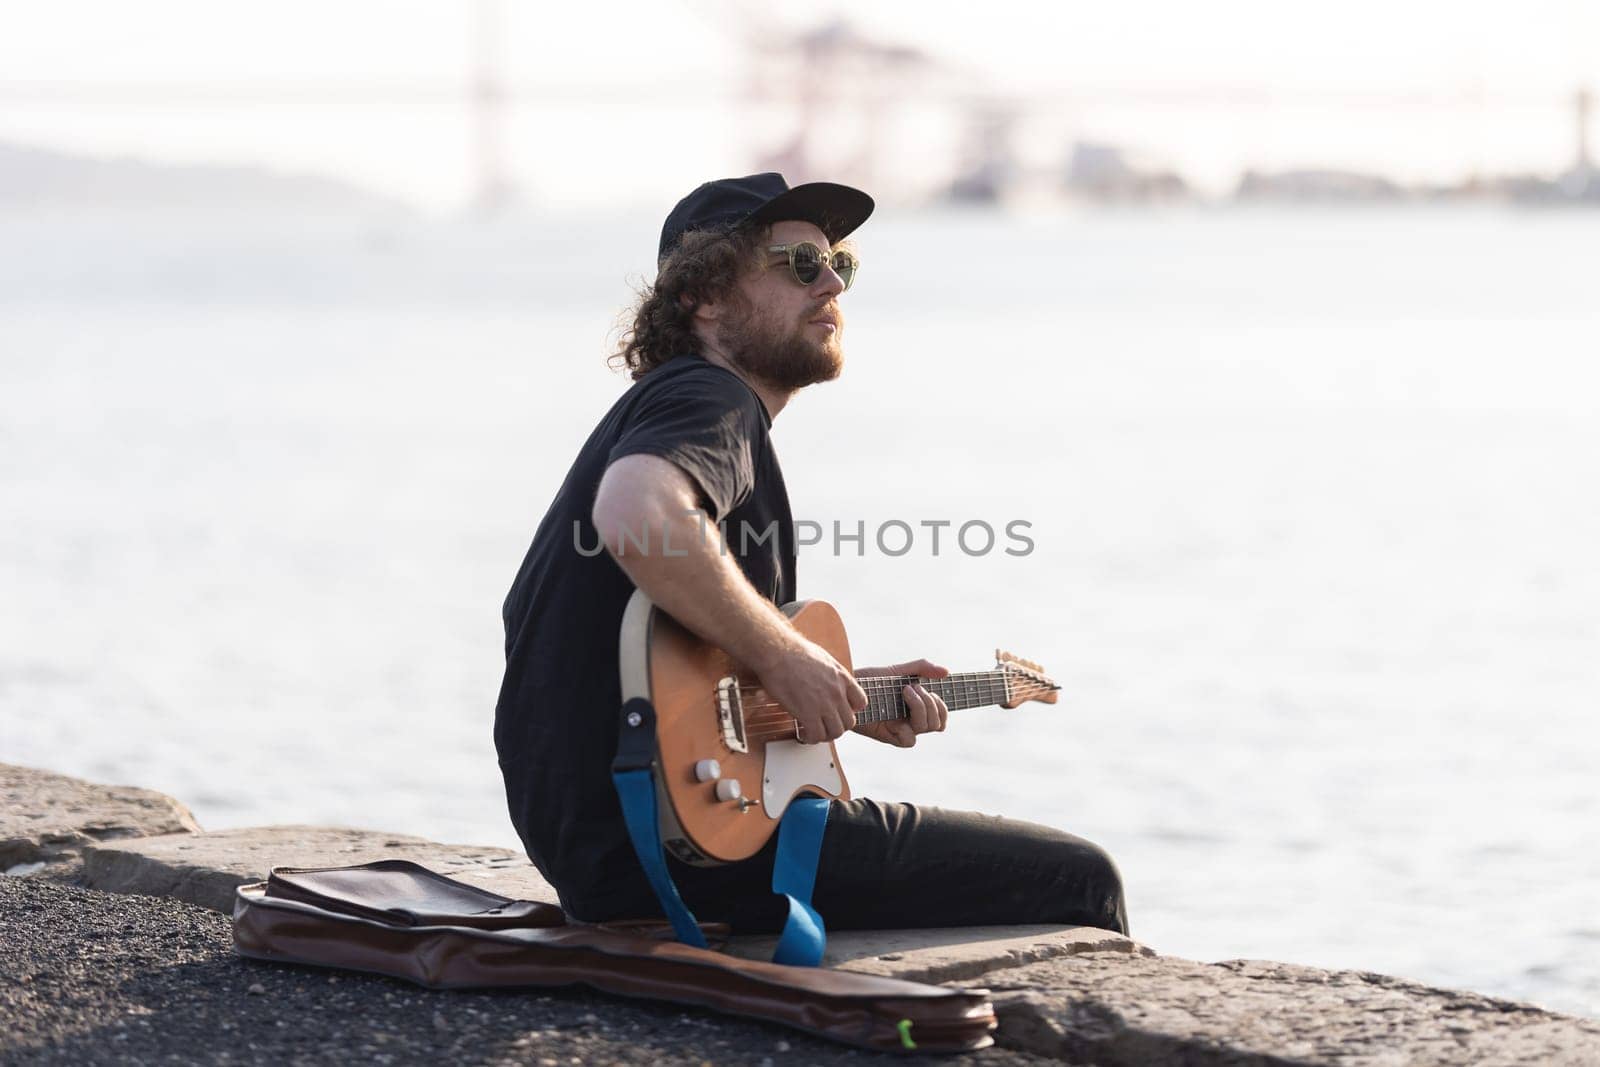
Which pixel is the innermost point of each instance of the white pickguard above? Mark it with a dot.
(790, 766)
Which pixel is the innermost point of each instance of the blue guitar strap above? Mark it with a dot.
(794, 870)
(794, 875)
(636, 789)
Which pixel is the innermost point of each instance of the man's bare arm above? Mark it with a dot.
(646, 497)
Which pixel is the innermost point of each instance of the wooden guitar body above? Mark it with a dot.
(708, 709)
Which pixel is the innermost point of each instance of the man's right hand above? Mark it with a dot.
(816, 689)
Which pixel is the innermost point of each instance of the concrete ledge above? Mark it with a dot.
(206, 868)
(954, 954)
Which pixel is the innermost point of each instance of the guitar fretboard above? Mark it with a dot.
(973, 689)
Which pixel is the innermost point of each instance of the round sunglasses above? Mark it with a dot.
(806, 260)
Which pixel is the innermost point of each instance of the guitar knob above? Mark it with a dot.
(707, 770)
(729, 789)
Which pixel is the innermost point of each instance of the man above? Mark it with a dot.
(743, 314)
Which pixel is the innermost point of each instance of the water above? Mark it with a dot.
(1312, 500)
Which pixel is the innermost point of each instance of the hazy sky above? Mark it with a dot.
(621, 101)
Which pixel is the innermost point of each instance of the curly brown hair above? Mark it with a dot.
(706, 265)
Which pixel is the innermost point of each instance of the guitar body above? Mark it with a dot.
(708, 710)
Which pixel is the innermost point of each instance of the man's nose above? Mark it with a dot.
(828, 283)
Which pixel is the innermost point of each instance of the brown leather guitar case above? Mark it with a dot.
(399, 919)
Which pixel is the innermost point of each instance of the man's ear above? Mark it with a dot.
(703, 310)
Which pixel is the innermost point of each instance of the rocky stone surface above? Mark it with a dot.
(1120, 1010)
(46, 818)
(87, 979)
(205, 868)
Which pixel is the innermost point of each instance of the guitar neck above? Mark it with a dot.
(972, 689)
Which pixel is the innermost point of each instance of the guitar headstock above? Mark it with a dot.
(1025, 680)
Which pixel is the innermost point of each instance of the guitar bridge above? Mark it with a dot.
(730, 714)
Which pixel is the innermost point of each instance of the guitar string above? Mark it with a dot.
(994, 693)
(986, 688)
(955, 686)
(875, 679)
(754, 713)
(1030, 689)
(784, 721)
(893, 684)
(766, 732)
(895, 680)
(985, 684)
(768, 718)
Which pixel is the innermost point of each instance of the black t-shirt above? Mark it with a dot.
(556, 722)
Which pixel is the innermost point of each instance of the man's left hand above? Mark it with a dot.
(928, 711)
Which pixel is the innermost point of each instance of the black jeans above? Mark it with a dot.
(886, 866)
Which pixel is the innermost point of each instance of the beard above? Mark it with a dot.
(783, 357)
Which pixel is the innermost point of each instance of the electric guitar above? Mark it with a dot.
(729, 758)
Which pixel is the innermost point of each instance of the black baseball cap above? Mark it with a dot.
(723, 204)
